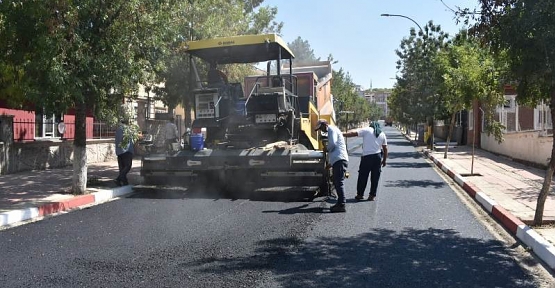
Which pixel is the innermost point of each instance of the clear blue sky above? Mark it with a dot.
(357, 36)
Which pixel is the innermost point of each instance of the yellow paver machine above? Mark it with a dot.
(243, 141)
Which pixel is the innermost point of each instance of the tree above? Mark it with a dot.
(92, 54)
(342, 88)
(524, 30)
(469, 73)
(196, 20)
(417, 89)
(347, 99)
(304, 54)
(85, 55)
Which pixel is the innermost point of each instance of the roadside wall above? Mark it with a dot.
(41, 155)
(528, 147)
(441, 131)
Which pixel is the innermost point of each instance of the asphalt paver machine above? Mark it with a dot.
(244, 141)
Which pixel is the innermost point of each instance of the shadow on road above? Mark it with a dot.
(379, 258)
(404, 155)
(182, 192)
(408, 165)
(299, 210)
(415, 183)
(394, 155)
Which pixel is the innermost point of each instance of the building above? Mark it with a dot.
(380, 99)
(33, 124)
(527, 137)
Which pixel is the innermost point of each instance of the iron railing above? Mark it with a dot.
(28, 130)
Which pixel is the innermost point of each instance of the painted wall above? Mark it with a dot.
(70, 127)
(529, 147)
(24, 127)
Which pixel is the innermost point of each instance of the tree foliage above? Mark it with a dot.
(523, 29)
(346, 100)
(471, 73)
(304, 54)
(85, 55)
(417, 97)
(92, 54)
(196, 20)
(343, 89)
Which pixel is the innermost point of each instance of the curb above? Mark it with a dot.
(102, 195)
(541, 247)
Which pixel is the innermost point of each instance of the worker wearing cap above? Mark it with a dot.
(338, 158)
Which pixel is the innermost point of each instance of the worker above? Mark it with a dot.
(338, 159)
(374, 156)
(124, 150)
(171, 134)
(216, 76)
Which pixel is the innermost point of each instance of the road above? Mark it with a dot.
(419, 233)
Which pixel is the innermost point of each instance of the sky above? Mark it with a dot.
(362, 41)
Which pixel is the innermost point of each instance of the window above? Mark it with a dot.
(542, 117)
(509, 105)
(46, 125)
(507, 113)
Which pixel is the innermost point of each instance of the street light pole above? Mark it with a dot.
(403, 16)
(424, 43)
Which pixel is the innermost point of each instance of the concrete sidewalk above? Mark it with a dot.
(506, 189)
(35, 194)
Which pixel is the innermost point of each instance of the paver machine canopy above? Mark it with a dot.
(241, 49)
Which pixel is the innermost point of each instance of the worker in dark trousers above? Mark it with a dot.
(374, 156)
(339, 160)
(124, 151)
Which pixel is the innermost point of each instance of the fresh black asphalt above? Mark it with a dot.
(417, 234)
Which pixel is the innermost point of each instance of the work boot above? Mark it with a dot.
(338, 208)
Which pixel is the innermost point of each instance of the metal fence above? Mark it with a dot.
(518, 118)
(28, 130)
(103, 130)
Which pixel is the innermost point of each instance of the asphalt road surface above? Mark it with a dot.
(418, 233)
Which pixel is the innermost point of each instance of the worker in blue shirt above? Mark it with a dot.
(124, 151)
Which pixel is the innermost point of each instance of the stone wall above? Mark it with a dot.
(40, 155)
